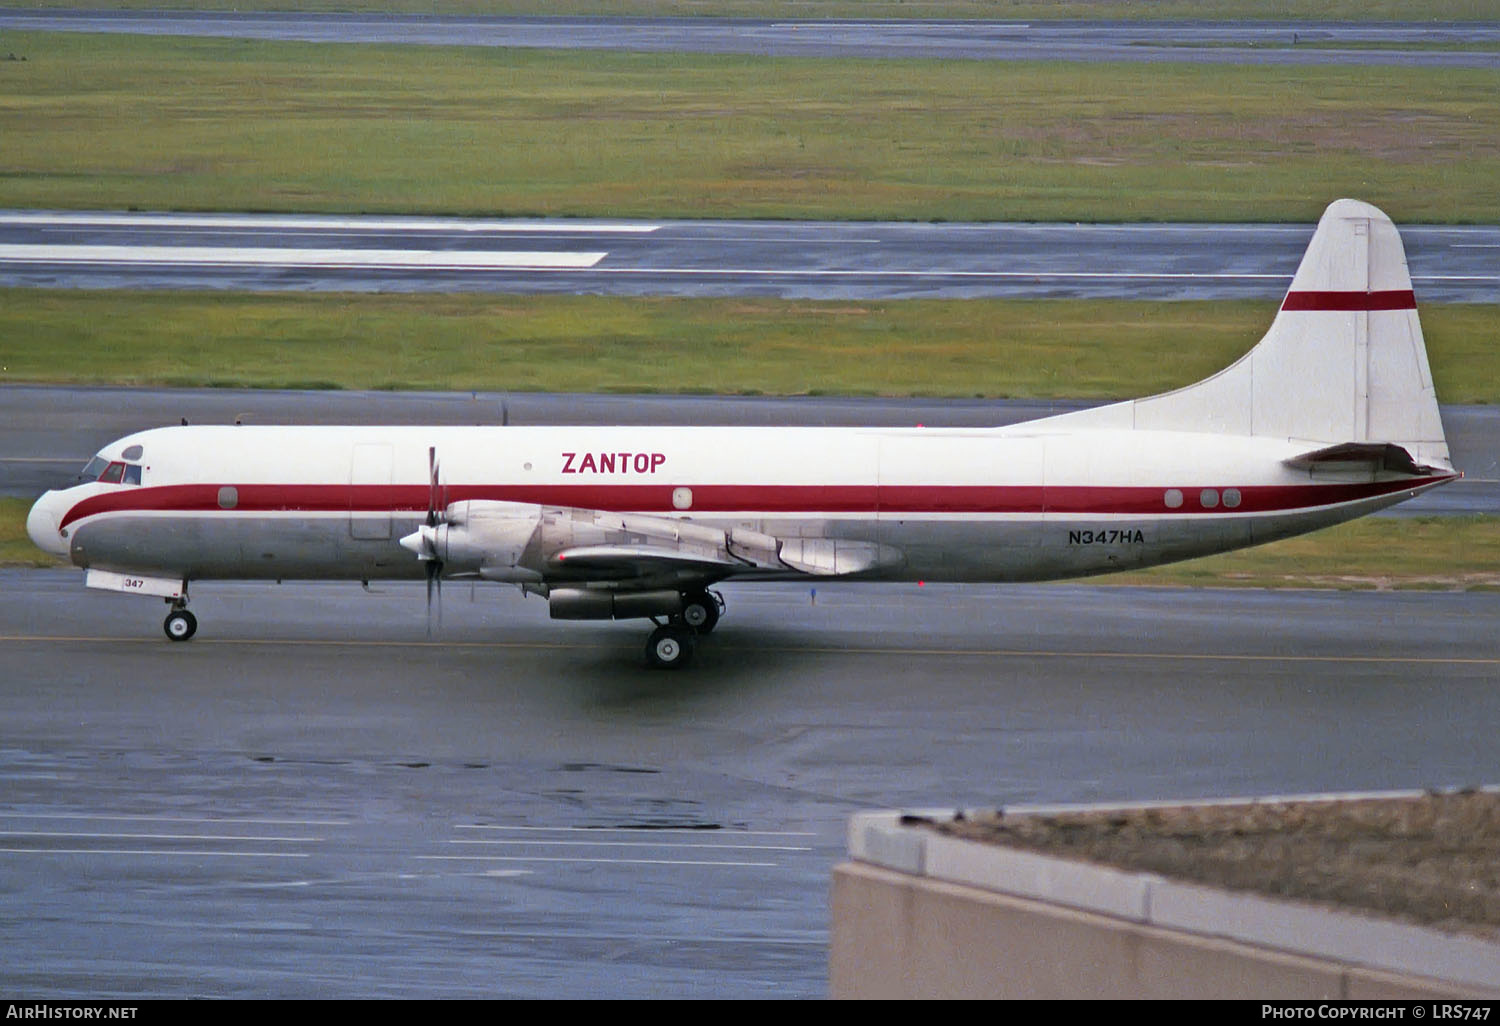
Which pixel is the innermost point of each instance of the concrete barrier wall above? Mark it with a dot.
(901, 930)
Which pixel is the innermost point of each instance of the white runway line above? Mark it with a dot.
(158, 837)
(454, 224)
(199, 256)
(640, 830)
(195, 852)
(526, 842)
(206, 820)
(875, 272)
(613, 862)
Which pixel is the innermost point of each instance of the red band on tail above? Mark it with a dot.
(1394, 299)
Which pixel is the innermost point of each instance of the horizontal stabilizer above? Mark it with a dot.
(1375, 455)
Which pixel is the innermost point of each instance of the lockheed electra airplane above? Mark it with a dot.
(1331, 416)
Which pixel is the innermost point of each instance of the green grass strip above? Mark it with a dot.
(1049, 349)
(101, 121)
(1377, 553)
(867, 10)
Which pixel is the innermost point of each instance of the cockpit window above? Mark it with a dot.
(132, 452)
(93, 469)
(101, 469)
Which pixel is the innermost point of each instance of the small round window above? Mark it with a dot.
(229, 497)
(1231, 498)
(1209, 498)
(682, 498)
(1173, 498)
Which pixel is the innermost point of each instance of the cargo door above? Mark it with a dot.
(370, 491)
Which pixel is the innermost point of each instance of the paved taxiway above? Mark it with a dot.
(702, 258)
(314, 799)
(1464, 44)
(47, 433)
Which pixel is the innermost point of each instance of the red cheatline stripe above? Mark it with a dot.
(1394, 299)
(888, 501)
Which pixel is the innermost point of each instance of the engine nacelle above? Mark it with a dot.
(601, 604)
(487, 537)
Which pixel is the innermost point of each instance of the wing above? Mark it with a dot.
(526, 543)
(656, 551)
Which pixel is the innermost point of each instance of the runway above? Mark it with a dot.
(1292, 43)
(314, 799)
(99, 249)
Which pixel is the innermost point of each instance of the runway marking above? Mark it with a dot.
(1171, 656)
(155, 837)
(150, 851)
(753, 272)
(640, 830)
(560, 227)
(1022, 276)
(365, 878)
(903, 28)
(417, 259)
(615, 862)
(632, 844)
(1007, 653)
(276, 233)
(172, 819)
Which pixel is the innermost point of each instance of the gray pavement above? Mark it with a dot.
(1435, 44)
(792, 259)
(311, 799)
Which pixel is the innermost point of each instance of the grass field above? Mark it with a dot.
(971, 347)
(1032, 10)
(156, 123)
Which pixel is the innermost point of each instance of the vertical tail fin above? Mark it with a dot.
(1344, 361)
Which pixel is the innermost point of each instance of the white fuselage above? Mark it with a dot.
(1020, 503)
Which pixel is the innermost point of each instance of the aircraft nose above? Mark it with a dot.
(41, 525)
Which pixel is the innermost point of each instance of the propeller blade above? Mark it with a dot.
(426, 539)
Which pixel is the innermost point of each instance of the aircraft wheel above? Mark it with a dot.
(700, 611)
(669, 647)
(180, 625)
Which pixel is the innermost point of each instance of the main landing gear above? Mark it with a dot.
(671, 645)
(180, 625)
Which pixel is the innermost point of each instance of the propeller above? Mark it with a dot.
(434, 564)
(423, 541)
